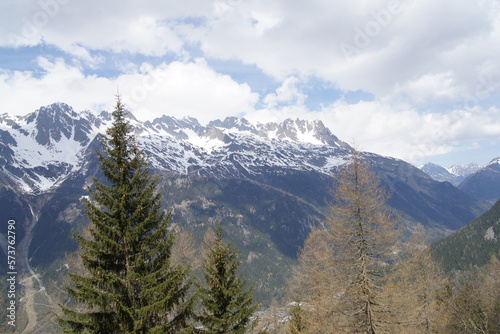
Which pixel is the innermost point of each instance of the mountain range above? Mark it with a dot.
(267, 183)
(481, 182)
(455, 174)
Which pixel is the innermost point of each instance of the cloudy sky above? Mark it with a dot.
(416, 80)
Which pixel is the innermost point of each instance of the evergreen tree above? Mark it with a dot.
(130, 285)
(227, 304)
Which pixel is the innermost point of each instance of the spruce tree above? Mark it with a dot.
(130, 285)
(227, 306)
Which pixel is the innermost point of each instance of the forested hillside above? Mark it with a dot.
(473, 245)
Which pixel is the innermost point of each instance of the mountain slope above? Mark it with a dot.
(485, 183)
(436, 205)
(439, 173)
(472, 245)
(55, 143)
(41, 149)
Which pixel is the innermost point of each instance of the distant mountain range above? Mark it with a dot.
(481, 182)
(268, 183)
(455, 174)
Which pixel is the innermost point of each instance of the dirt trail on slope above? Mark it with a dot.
(32, 285)
(29, 304)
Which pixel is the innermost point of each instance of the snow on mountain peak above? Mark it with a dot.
(495, 161)
(44, 147)
(464, 170)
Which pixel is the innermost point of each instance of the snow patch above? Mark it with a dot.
(208, 144)
(490, 234)
(308, 137)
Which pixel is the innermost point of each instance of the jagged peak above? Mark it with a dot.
(464, 170)
(232, 122)
(60, 117)
(52, 111)
(175, 122)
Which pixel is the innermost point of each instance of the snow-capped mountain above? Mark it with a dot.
(439, 173)
(480, 182)
(464, 170)
(455, 174)
(43, 148)
(484, 184)
(495, 161)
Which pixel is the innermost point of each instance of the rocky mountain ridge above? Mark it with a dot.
(44, 147)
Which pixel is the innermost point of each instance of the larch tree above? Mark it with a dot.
(344, 262)
(129, 284)
(296, 322)
(490, 293)
(316, 282)
(227, 304)
(411, 288)
(363, 232)
(474, 303)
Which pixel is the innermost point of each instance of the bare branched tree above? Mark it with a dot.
(411, 288)
(343, 264)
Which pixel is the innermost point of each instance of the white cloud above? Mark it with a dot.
(287, 94)
(178, 89)
(398, 46)
(181, 89)
(148, 28)
(396, 130)
(59, 82)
